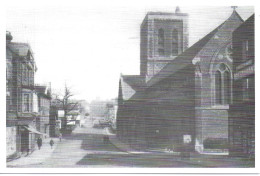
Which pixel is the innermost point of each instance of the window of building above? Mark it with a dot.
(175, 41)
(161, 37)
(161, 42)
(222, 85)
(248, 90)
(26, 98)
(226, 87)
(28, 76)
(218, 87)
(28, 55)
(245, 91)
(251, 88)
(25, 74)
(161, 52)
(245, 50)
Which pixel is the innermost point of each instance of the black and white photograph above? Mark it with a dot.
(126, 85)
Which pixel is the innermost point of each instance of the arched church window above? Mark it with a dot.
(227, 87)
(175, 41)
(218, 86)
(222, 85)
(161, 42)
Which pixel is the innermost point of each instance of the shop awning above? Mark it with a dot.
(33, 130)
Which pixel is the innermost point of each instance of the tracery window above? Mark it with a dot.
(218, 87)
(222, 85)
(227, 87)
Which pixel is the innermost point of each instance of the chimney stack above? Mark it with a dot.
(9, 37)
(177, 10)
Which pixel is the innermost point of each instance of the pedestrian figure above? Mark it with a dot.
(28, 151)
(39, 143)
(51, 143)
(105, 139)
(60, 136)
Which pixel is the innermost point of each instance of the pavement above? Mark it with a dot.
(37, 157)
(83, 148)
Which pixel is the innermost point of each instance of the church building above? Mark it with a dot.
(183, 94)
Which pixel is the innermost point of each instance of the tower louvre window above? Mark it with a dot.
(175, 41)
(161, 37)
(161, 42)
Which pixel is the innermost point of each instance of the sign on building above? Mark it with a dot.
(186, 139)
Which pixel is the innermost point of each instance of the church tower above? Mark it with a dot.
(163, 37)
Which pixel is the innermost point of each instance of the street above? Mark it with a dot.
(85, 148)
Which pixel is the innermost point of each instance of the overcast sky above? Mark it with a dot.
(88, 46)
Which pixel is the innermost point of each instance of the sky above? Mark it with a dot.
(89, 46)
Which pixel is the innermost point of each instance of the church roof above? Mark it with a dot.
(130, 85)
(135, 81)
(249, 21)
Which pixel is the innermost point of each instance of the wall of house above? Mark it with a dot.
(10, 140)
(44, 112)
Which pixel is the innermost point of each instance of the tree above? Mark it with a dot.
(67, 104)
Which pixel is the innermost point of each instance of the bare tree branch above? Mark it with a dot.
(66, 103)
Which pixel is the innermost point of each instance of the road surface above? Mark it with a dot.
(85, 148)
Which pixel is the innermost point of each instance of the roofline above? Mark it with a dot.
(152, 13)
(237, 15)
(29, 48)
(245, 22)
